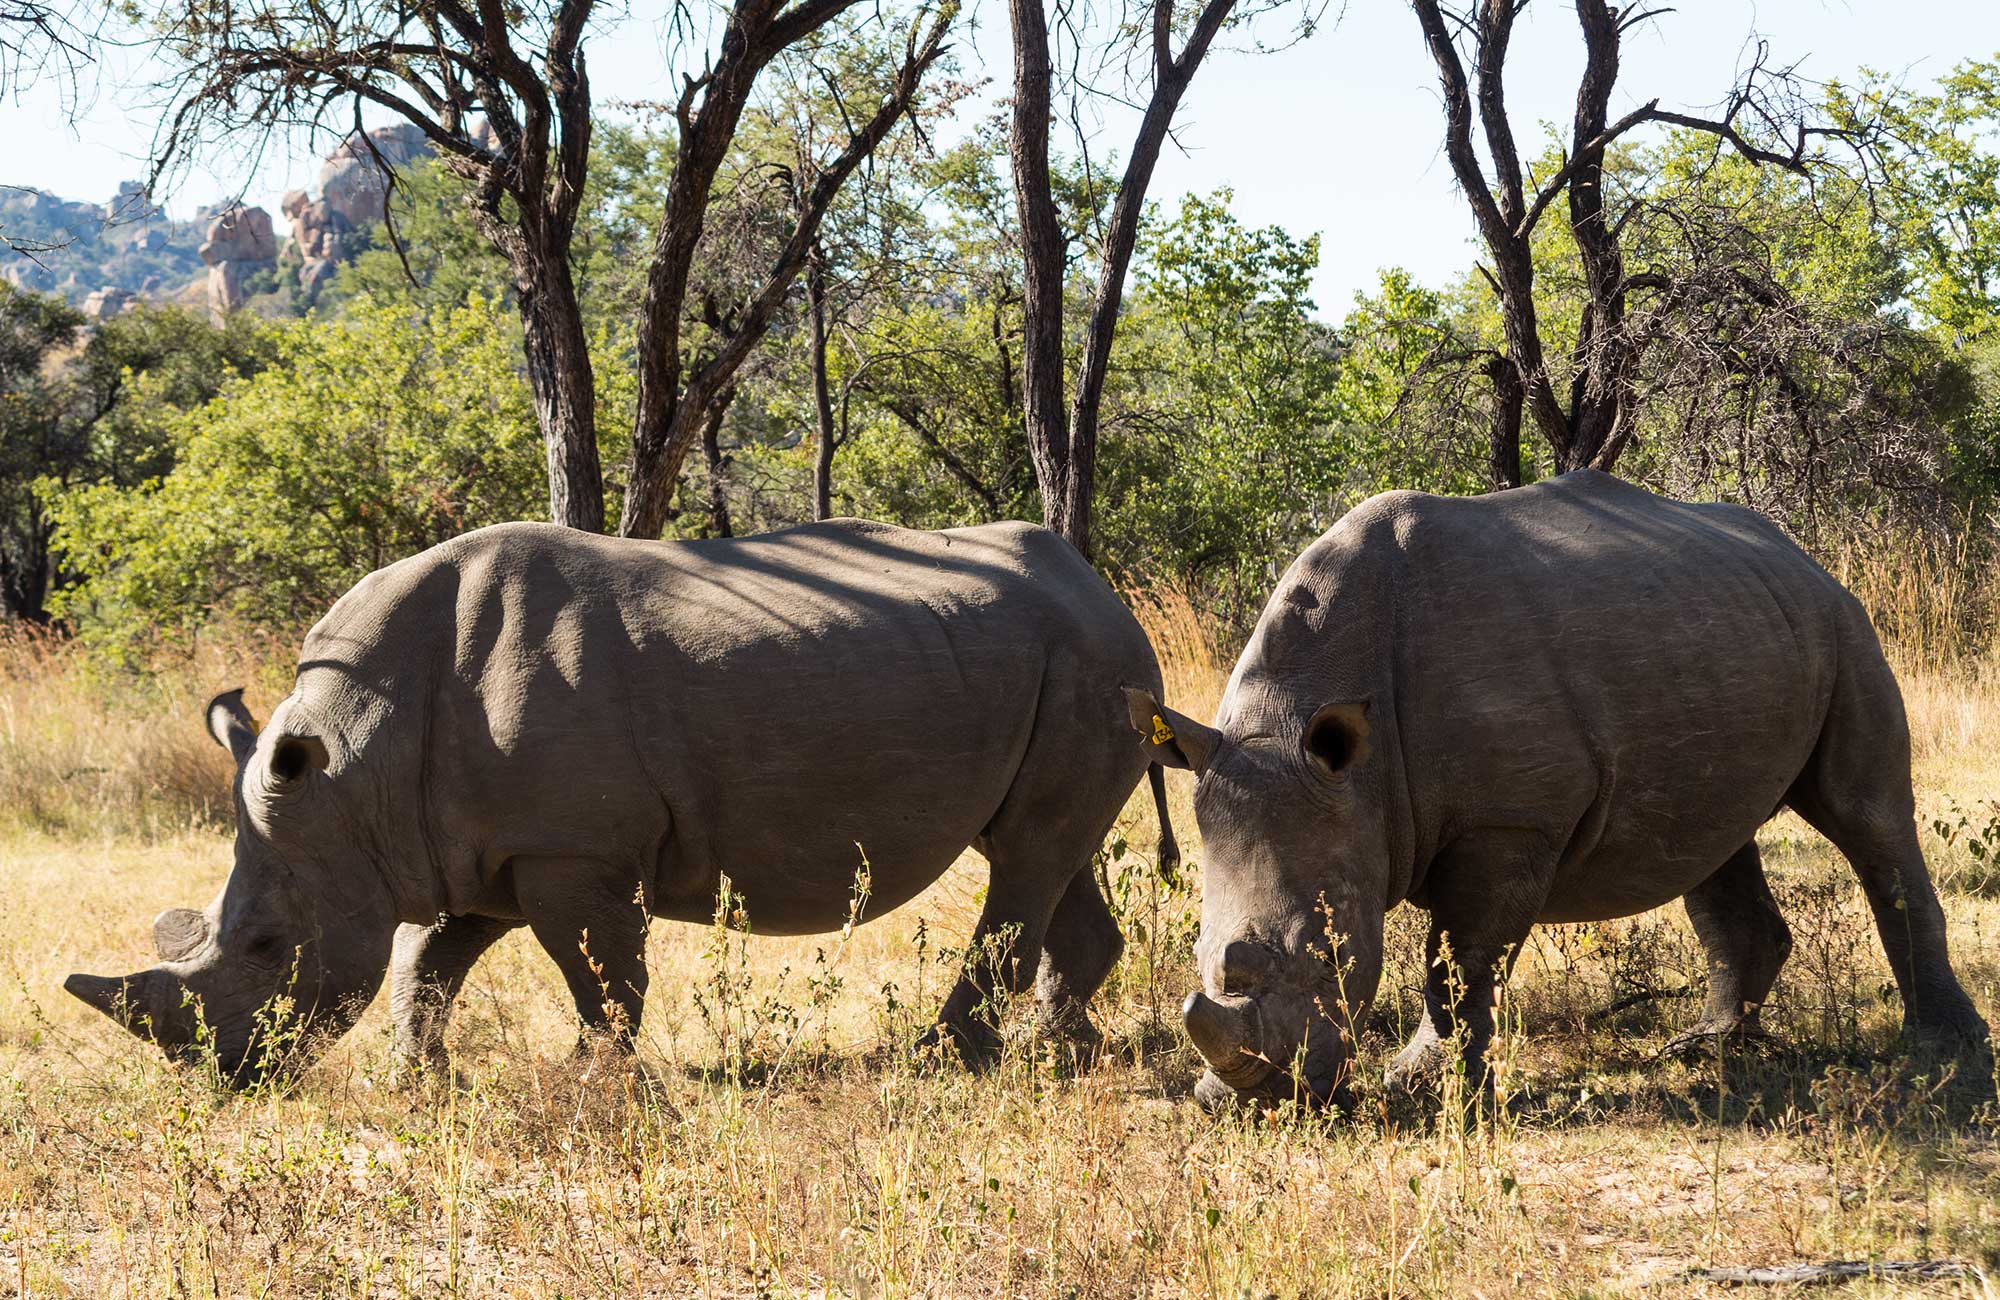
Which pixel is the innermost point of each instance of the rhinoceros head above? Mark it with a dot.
(1293, 872)
(293, 948)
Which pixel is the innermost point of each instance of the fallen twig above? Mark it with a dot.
(1916, 1270)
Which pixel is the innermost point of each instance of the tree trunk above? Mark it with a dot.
(661, 431)
(1501, 216)
(670, 408)
(1042, 265)
(1504, 432)
(822, 392)
(718, 482)
(1170, 81)
(559, 377)
(24, 572)
(1603, 359)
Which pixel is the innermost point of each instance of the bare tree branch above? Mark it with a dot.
(1766, 120)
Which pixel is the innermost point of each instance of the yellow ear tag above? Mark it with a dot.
(1162, 733)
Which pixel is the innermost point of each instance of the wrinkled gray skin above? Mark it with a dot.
(530, 725)
(1568, 702)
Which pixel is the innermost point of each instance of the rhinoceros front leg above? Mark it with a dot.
(1462, 974)
(426, 971)
(1746, 941)
(590, 919)
(1485, 892)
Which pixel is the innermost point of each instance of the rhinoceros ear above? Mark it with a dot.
(1172, 739)
(1337, 736)
(231, 724)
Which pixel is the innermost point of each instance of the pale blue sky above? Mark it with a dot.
(1338, 134)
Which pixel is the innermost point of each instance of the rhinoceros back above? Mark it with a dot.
(775, 708)
(1639, 679)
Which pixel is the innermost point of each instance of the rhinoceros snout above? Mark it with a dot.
(1243, 967)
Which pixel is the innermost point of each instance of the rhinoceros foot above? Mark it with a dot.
(1702, 1040)
(424, 1076)
(1063, 1036)
(423, 1065)
(1961, 1039)
(971, 1042)
(1421, 1063)
(1954, 1024)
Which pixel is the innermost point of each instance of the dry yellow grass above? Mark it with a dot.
(829, 1164)
(87, 749)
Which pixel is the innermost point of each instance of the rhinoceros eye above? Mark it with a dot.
(266, 949)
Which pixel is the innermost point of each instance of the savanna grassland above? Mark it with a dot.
(780, 1140)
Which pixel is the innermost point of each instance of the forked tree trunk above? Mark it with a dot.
(1043, 262)
(1065, 450)
(1592, 423)
(673, 400)
(561, 381)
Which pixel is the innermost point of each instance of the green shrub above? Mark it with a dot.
(368, 439)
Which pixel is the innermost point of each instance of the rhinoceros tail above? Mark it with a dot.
(1170, 852)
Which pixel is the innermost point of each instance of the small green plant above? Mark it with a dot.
(1158, 909)
(1971, 837)
(756, 1034)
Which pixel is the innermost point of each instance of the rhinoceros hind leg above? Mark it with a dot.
(426, 972)
(1043, 910)
(1746, 941)
(1856, 792)
(590, 920)
(1082, 946)
(1910, 921)
(1002, 954)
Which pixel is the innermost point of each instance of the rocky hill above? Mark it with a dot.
(124, 247)
(101, 256)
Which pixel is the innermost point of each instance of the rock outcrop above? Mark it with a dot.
(106, 302)
(321, 237)
(130, 243)
(353, 191)
(352, 181)
(78, 247)
(240, 242)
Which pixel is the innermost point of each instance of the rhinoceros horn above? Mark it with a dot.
(179, 933)
(1224, 1031)
(144, 1003)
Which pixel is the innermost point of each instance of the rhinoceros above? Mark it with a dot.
(1567, 702)
(532, 725)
